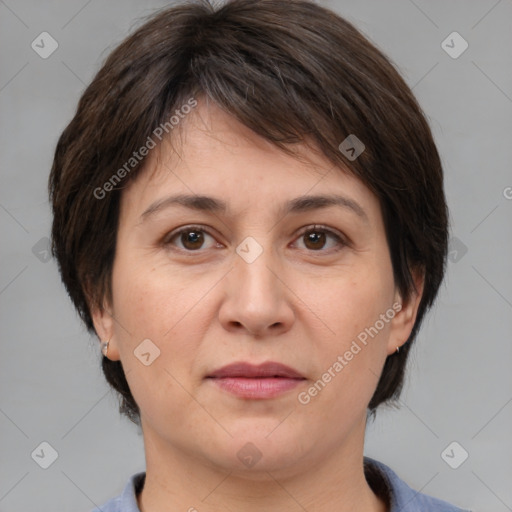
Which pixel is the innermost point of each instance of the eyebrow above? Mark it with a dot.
(294, 206)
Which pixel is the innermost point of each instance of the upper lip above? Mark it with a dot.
(248, 370)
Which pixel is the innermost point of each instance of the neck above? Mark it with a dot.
(177, 480)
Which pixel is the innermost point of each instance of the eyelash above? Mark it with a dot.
(313, 229)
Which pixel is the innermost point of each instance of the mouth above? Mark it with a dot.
(245, 380)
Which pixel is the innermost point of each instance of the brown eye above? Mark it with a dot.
(191, 238)
(316, 238)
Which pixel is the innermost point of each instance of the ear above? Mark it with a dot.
(104, 325)
(403, 321)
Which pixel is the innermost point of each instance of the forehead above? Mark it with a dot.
(212, 154)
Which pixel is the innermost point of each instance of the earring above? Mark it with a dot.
(104, 347)
(397, 349)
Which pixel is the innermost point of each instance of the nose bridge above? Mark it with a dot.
(255, 299)
(256, 258)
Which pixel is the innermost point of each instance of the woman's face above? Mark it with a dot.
(253, 283)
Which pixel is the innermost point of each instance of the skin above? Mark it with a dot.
(299, 302)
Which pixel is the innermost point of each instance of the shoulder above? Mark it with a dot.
(127, 500)
(112, 505)
(401, 497)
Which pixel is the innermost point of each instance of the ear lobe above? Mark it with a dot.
(403, 322)
(103, 322)
(102, 319)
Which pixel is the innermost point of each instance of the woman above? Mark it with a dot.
(249, 213)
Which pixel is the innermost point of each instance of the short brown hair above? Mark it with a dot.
(291, 71)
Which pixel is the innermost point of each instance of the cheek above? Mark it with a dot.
(156, 304)
(147, 307)
(350, 301)
(137, 304)
(354, 345)
(148, 304)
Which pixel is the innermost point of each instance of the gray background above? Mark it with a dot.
(459, 385)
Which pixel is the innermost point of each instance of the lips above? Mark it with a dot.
(256, 382)
(250, 371)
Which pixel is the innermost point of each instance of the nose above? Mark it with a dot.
(257, 298)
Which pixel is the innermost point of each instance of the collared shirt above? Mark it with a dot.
(382, 479)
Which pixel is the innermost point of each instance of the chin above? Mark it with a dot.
(259, 448)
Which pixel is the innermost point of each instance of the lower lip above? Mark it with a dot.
(256, 388)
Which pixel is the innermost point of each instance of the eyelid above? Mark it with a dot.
(340, 238)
